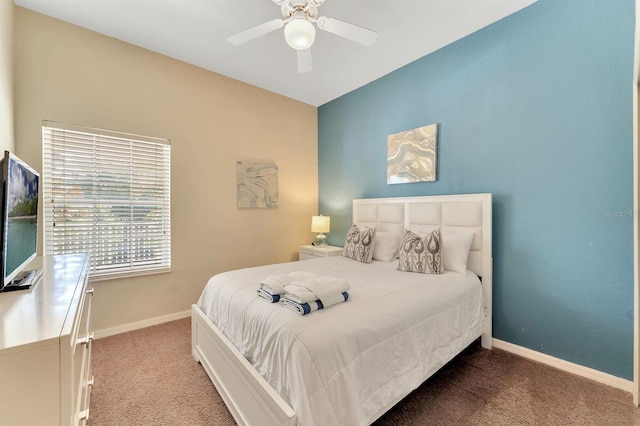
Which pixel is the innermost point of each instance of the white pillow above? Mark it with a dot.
(385, 247)
(455, 250)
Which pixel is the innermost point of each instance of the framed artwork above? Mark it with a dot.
(257, 185)
(411, 155)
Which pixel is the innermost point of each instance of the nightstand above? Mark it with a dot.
(312, 252)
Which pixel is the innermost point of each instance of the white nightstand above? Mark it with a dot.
(312, 252)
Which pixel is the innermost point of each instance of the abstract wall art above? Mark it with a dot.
(411, 155)
(257, 185)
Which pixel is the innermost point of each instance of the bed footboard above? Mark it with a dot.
(249, 397)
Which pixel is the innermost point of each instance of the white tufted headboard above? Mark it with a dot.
(469, 212)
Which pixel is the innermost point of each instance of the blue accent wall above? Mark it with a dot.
(536, 109)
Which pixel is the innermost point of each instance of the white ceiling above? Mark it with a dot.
(195, 31)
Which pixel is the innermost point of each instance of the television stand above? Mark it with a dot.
(24, 280)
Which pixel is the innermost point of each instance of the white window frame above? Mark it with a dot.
(107, 194)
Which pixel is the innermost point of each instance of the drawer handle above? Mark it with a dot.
(84, 415)
(86, 340)
(90, 382)
(89, 291)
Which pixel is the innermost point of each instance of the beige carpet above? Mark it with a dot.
(148, 377)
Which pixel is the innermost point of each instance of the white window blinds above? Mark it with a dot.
(107, 194)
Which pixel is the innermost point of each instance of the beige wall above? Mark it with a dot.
(68, 74)
(6, 75)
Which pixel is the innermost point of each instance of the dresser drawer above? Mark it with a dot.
(81, 359)
(82, 413)
(310, 254)
(313, 252)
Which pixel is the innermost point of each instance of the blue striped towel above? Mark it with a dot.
(266, 295)
(305, 308)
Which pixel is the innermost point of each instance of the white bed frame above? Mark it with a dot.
(249, 397)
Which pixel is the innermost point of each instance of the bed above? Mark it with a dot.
(349, 363)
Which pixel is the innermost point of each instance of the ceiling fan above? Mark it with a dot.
(298, 17)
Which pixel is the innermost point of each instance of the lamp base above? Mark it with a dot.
(320, 241)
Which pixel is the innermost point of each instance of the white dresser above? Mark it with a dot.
(45, 346)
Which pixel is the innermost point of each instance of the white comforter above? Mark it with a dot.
(349, 363)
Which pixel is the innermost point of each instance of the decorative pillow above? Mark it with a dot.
(455, 250)
(386, 246)
(359, 244)
(421, 254)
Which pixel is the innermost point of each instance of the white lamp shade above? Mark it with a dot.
(299, 34)
(320, 224)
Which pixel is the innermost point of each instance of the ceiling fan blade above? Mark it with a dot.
(345, 29)
(255, 32)
(304, 60)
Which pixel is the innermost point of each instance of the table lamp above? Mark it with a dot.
(320, 224)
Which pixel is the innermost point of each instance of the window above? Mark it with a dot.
(107, 194)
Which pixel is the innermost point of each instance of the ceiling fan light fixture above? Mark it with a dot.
(299, 34)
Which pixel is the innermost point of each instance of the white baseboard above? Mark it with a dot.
(141, 324)
(569, 367)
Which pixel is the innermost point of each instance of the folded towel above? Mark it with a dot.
(275, 283)
(264, 294)
(299, 294)
(305, 308)
(301, 308)
(327, 289)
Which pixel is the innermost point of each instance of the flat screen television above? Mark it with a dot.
(19, 234)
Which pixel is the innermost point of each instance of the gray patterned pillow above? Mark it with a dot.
(421, 254)
(359, 244)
